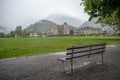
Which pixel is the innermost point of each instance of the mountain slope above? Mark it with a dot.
(91, 24)
(72, 27)
(41, 26)
(61, 18)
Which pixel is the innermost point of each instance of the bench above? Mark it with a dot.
(78, 51)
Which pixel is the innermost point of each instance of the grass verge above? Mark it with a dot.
(15, 47)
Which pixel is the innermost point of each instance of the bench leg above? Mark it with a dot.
(64, 70)
(102, 59)
(63, 66)
(71, 66)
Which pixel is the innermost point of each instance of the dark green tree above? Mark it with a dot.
(107, 11)
(71, 32)
(7, 35)
(2, 34)
(24, 33)
(18, 31)
(12, 34)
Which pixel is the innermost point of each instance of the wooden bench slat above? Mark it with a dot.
(85, 46)
(100, 52)
(69, 53)
(77, 47)
(100, 44)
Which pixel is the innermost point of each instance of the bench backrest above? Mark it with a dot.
(85, 50)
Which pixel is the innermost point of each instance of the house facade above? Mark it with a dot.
(59, 30)
(34, 35)
(89, 30)
(53, 30)
(66, 30)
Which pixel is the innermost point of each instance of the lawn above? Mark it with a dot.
(15, 47)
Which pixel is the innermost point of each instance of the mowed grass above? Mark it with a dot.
(15, 47)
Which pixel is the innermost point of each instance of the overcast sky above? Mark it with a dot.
(25, 12)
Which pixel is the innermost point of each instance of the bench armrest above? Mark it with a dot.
(62, 59)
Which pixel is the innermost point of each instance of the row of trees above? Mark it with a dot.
(18, 32)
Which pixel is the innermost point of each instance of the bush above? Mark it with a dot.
(118, 33)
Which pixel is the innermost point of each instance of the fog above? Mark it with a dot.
(26, 12)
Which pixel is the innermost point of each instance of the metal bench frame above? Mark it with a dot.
(91, 47)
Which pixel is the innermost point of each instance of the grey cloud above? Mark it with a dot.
(24, 12)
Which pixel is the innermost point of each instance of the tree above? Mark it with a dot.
(12, 34)
(7, 35)
(18, 31)
(2, 34)
(71, 32)
(24, 33)
(107, 11)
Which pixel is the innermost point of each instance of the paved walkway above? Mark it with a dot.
(47, 67)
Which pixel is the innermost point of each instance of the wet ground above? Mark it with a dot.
(47, 67)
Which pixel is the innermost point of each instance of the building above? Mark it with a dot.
(34, 35)
(108, 31)
(89, 30)
(59, 30)
(53, 30)
(66, 30)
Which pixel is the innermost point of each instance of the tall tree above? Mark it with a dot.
(18, 31)
(107, 11)
(12, 34)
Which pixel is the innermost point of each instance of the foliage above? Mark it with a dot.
(7, 36)
(71, 32)
(14, 47)
(12, 33)
(2, 34)
(24, 34)
(117, 34)
(107, 11)
(18, 31)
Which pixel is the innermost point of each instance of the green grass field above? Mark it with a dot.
(15, 47)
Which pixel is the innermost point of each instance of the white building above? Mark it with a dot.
(34, 35)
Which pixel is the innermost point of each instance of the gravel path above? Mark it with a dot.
(47, 67)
